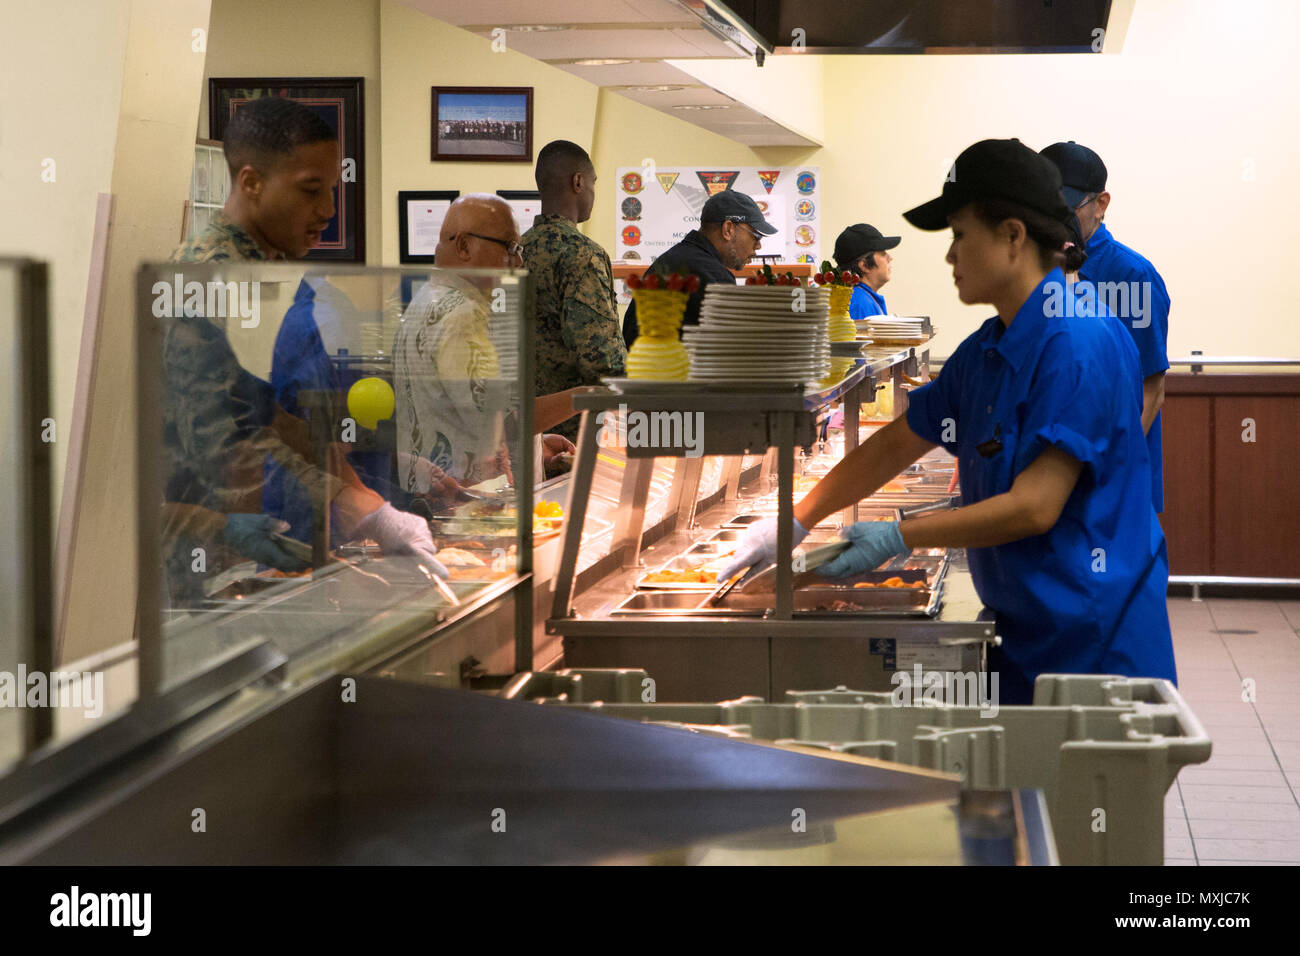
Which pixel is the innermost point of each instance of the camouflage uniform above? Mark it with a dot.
(579, 341)
(218, 423)
(221, 240)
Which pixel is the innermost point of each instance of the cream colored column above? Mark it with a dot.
(161, 87)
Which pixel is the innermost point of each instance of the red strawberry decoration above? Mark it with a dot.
(692, 284)
(633, 282)
(651, 282)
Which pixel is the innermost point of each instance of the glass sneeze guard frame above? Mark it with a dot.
(508, 289)
(26, 575)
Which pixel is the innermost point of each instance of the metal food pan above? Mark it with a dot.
(681, 563)
(811, 598)
(743, 521)
(727, 534)
(704, 549)
(672, 603)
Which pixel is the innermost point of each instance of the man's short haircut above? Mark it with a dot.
(557, 162)
(264, 131)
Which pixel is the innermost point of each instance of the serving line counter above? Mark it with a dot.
(921, 610)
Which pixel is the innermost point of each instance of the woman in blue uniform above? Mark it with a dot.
(1042, 408)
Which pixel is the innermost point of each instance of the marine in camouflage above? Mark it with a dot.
(579, 341)
(220, 424)
(219, 241)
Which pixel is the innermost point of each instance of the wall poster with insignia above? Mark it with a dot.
(787, 196)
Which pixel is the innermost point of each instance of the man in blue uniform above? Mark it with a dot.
(1127, 283)
(861, 249)
(1062, 540)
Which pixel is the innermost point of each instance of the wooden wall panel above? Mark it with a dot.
(1257, 486)
(1186, 425)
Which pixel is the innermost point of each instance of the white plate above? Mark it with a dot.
(738, 327)
(718, 290)
(802, 364)
(744, 348)
(778, 306)
(792, 373)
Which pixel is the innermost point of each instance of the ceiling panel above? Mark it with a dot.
(636, 73)
(511, 12)
(615, 43)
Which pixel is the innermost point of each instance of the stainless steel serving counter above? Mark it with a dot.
(709, 654)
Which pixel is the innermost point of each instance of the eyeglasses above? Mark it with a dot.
(513, 249)
(1090, 197)
(739, 221)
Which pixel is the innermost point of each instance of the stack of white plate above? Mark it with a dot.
(892, 328)
(754, 334)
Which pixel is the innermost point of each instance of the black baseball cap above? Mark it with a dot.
(995, 169)
(730, 206)
(858, 240)
(1082, 171)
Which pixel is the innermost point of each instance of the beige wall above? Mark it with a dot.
(1201, 96)
(152, 159)
(304, 38)
(62, 89)
(419, 53)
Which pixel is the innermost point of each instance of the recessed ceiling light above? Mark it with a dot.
(687, 106)
(599, 62)
(537, 28)
(653, 89)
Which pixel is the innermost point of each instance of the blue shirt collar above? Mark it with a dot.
(1100, 237)
(1015, 342)
(880, 299)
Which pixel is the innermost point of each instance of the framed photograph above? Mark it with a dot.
(340, 103)
(483, 124)
(419, 221)
(525, 204)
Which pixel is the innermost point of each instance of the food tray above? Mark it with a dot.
(814, 598)
(674, 604)
(705, 548)
(682, 563)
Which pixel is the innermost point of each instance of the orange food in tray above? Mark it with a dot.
(669, 576)
(890, 583)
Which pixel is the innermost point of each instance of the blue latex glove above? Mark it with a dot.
(873, 543)
(756, 549)
(251, 536)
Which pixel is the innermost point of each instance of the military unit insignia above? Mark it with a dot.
(716, 182)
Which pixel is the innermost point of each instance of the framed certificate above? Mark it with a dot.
(525, 204)
(419, 221)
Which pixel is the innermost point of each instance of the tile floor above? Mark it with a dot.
(1242, 807)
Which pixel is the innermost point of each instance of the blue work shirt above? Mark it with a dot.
(866, 302)
(1142, 304)
(301, 362)
(1088, 596)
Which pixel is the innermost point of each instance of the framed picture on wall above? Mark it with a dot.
(482, 124)
(525, 204)
(340, 102)
(419, 221)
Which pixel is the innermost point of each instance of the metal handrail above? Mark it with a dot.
(1263, 360)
